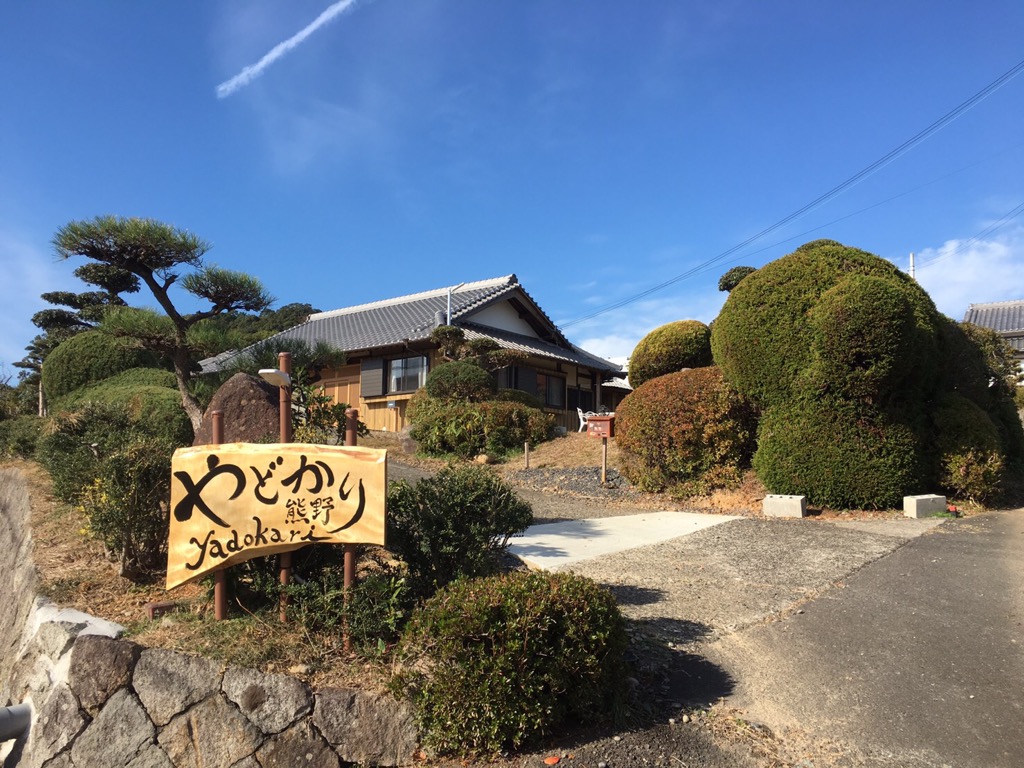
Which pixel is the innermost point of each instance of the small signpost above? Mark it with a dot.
(236, 501)
(602, 426)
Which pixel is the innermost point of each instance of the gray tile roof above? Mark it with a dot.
(412, 318)
(1006, 317)
(392, 321)
(538, 347)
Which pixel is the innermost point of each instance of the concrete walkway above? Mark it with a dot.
(552, 546)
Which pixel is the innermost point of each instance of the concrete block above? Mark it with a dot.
(925, 505)
(779, 505)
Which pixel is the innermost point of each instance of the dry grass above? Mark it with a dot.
(575, 449)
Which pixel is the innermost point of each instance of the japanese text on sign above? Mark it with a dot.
(237, 501)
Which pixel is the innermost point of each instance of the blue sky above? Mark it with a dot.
(595, 149)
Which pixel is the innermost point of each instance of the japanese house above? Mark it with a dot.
(389, 351)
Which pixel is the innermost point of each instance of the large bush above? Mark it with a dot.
(668, 349)
(465, 429)
(87, 358)
(127, 504)
(861, 334)
(460, 380)
(687, 432)
(456, 523)
(504, 660)
(117, 467)
(969, 450)
(838, 454)
(150, 396)
(72, 444)
(768, 335)
(854, 370)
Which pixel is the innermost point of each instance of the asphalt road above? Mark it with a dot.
(916, 660)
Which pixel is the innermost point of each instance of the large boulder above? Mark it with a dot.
(251, 409)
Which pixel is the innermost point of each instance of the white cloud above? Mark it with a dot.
(614, 335)
(959, 273)
(251, 72)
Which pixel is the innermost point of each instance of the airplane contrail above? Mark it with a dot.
(253, 71)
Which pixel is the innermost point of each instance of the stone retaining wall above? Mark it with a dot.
(99, 701)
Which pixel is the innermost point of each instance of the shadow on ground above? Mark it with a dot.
(669, 675)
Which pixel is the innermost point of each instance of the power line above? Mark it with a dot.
(889, 157)
(1006, 219)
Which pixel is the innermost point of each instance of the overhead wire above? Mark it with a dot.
(1006, 219)
(889, 157)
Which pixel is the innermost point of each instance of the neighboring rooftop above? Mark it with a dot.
(1000, 316)
(1004, 317)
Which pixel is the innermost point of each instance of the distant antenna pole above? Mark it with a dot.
(912, 276)
(455, 288)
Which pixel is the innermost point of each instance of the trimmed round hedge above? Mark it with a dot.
(669, 349)
(454, 524)
(460, 380)
(838, 454)
(765, 337)
(498, 662)
(87, 358)
(686, 432)
(150, 396)
(862, 336)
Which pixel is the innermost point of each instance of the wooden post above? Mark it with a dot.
(526, 453)
(220, 578)
(604, 460)
(351, 438)
(284, 560)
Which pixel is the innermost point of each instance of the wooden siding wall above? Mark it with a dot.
(346, 385)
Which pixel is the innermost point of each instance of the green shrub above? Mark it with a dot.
(72, 444)
(970, 460)
(464, 429)
(764, 340)
(508, 425)
(127, 504)
(459, 380)
(669, 349)
(454, 524)
(374, 614)
(18, 436)
(446, 427)
(732, 278)
(838, 454)
(687, 432)
(861, 334)
(87, 358)
(150, 395)
(519, 396)
(501, 661)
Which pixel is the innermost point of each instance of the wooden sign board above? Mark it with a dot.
(236, 501)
